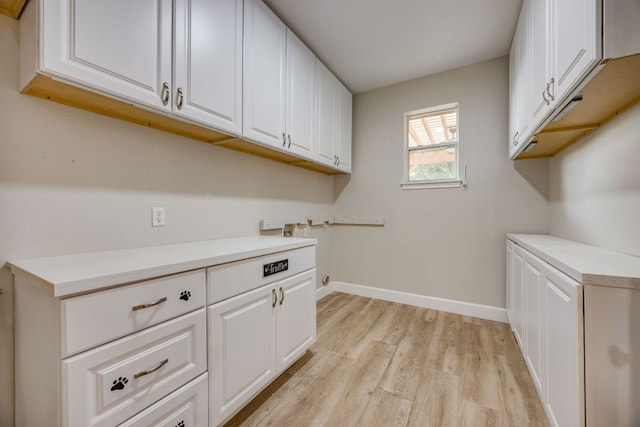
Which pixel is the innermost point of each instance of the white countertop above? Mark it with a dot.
(588, 265)
(72, 274)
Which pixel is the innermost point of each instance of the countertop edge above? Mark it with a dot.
(558, 257)
(65, 288)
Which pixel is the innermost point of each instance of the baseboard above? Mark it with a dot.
(323, 291)
(459, 307)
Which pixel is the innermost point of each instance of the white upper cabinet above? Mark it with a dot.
(212, 70)
(520, 80)
(326, 88)
(541, 75)
(265, 46)
(334, 115)
(344, 111)
(99, 45)
(300, 97)
(208, 63)
(279, 75)
(193, 70)
(556, 45)
(576, 43)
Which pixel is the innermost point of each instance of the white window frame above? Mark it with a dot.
(459, 181)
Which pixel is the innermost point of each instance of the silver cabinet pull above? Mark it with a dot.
(151, 304)
(551, 86)
(275, 298)
(544, 95)
(289, 138)
(164, 93)
(281, 295)
(515, 138)
(179, 98)
(337, 160)
(284, 139)
(143, 373)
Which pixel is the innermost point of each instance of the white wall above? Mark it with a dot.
(74, 181)
(444, 243)
(595, 187)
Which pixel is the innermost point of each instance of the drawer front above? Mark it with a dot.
(90, 320)
(107, 385)
(185, 407)
(228, 280)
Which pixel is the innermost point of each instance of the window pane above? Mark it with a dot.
(433, 128)
(432, 164)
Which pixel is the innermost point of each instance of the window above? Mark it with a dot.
(432, 148)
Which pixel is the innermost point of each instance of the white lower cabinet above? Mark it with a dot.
(102, 387)
(173, 336)
(517, 291)
(255, 336)
(185, 407)
(563, 343)
(533, 318)
(546, 317)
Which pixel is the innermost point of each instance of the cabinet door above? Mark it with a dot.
(265, 41)
(326, 125)
(575, 42)
(520, 81)
(563, 346)
(296, 317)
(343, 142)
(242, 350)
(208, 63)
(301, 71)
(541, 69)
(514, 100)
(533, 318)
(119, 47)
(517, 271)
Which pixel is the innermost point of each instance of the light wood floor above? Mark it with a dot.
(378, 363)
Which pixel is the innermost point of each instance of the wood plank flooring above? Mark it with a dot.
(378, 363)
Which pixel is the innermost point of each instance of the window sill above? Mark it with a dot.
(420, 185)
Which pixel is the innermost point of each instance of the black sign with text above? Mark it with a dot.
(275, 267)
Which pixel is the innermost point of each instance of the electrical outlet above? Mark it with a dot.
(157, 217)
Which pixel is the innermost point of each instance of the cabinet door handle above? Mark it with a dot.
(337, 160)
(143, 373)
(164, 93)
(284, 139)
(274, 301)
(151, 304)
(289, 138)
(281, 295)
(544, 95)
(179, 98)
(551, 86)
(515, 138)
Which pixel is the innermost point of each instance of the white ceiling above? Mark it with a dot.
(370, 44)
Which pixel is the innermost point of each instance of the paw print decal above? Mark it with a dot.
(119, 383)
(185, 295)
(180, 424)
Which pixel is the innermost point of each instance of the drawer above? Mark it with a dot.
(228, 280)
(108, 385)
(185, 407)
(90, 320)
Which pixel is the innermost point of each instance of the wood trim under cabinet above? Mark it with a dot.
(12, 8)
